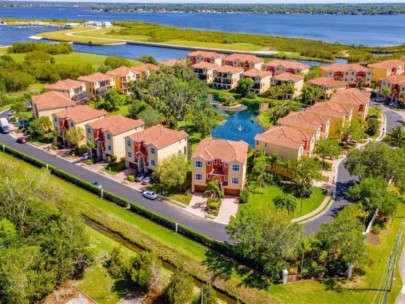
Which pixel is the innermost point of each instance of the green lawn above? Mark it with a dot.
(263, 198)
(264, 119)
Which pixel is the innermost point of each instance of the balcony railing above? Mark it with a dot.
(103, 90)
(80, 97)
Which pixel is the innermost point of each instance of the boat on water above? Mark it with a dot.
(2, 22)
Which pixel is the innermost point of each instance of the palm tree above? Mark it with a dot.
(396, 137)
(274, 161)
(213, 191)
(90, 145)
(55, 136)
(304, 247)
(288, 166)
(263, 178)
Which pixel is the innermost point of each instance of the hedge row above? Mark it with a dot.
(155, 217)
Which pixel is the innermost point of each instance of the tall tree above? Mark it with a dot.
(113, 100)
(213, 191)
(180, 289)
(286, 202)
(144, 270)
(396, 137)
(328, 147)
(245, 86)
(208, 295)
(172, 171)
(74, 136)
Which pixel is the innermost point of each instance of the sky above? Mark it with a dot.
(231, 1)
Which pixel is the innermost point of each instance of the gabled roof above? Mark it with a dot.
(395, 79)
(243, 58)
(81, 114)
(387, 64)
(226, 150)
(342, 67)
(205, 65)
(286, 76)
(66, 84)
(158, 136)
(206, 54)
(145, 67)
(257, 73)
(95, 77)
(173, 62)
(116, 124)
(120, 72)
(52, 100)
(351, 96)
(327, 82)
(287, 64)
(305, 119)
(284, 136)
(329, 109)
(229, 69)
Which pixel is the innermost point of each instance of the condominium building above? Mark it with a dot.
(281, 66)
(328, 85)
(354, 98)
(394, 86)
(245, 61)
(387, 68)
(261, 79)
(98, 83)
(354, 74)
(205, 71)
(296, 80)
(49, 103)
(227, 77)
(124, 78)
(75, 89)
(204, 56)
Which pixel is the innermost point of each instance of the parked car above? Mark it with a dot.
(393, 104)
(139, 177)
(146, 180)
(22, 140)
(149, 195)
(26, 132)
(11, 113)
(97, 184)
(86, 156)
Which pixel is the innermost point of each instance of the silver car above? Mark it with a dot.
(149, 195)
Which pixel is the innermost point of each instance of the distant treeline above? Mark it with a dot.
(331, 9)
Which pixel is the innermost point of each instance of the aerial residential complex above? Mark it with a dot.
(354, 74)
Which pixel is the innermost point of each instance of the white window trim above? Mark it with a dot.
(233, 170)
(197, 162)
(233, 181)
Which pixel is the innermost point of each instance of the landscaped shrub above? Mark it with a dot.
(131, 178)
(244, 196)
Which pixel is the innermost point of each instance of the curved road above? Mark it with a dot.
(344, 181)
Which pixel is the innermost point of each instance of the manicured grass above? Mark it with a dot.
(263, 198)
(231, 46)
(264, 120)
(114, 168)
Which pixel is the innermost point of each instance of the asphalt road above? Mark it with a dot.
(344, 181)
(212, 229)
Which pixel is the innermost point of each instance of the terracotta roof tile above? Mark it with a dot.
(206, 54)
(327, 82)
(226, 150)
(395, 79)
(257, 73)
(336, 67)
(95, 77)
(243, 58)
(205, 65)
(173, 62)
(229, 69)
(145, 67)
(81, 113)
(305, 119)
(329, 109)
(52, 100)
(286, 76)
(351, 97)
(287, 64)
(120, 72)
(284, 136)
(116, 124)
(387, 64)
(66, 84)
(158, 136)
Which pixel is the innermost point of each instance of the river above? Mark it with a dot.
(378, 30)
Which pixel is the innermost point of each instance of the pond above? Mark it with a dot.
(239, 126)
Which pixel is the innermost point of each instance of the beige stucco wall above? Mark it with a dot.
(50, 112)
(285, 152)
(178, 148)
(117, 143)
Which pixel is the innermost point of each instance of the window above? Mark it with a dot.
(225, 178)
(198, 164)
(55, 119)
(108, 136)
(235, 180)
(72, 124)
(225, 165)
(88, 130)
(129, 143)
(215, 162)
(235, 167)
(209, 163)
(257, 143)
(208, 176)
(198, 177)
(152, 151)
(129, 154)
(109, 148)
(56, 129)
(153, 163)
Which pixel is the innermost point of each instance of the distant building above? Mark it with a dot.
(93, 23)
(354, 74)
(387, 68)
(245, 61)
(49, 103)
(106, 24)
(281, 66)
(71, 25)
(2, 22)
(124, 78)
(261, 79)
(227, 77)
(145, 69)
(328, 85)
(98, 83)
(74, 88)
(296, 80)
(204, 56)
(394, 85)
(205, 71)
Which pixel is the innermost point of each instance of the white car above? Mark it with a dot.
(86, 156)
(149, 195)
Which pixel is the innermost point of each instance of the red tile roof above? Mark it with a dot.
(205, 65)
(387, 64)
(226, 150)
(305, 120)
(287, 64)
(66, 84)
(145, 67)
(286, 76)
(229, 69)
(52, 100)
(173, 62)
(351, 96)
(158, 136)
(243, 58)
(116, 124)
(328, 82)
(81, 114)
(257, 73)
(206, 54)
(395, 79)
(284, 136)
(336, 67)
(95, 77)
(120, 72)
(329, 109)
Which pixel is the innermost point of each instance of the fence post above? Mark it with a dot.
(285, 276)
(4, 148)
(176, 227)
(102, 193)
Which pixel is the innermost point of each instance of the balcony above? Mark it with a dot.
(102, 90)
(81, 97)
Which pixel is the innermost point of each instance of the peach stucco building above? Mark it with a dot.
(124, 78)
(354, 98)
(205, 56)
(108, 135)
(289, 143)
(98, 83)
(205, 71)
(227, 77)
(222, 160)
(281, 66)
(296, 80)
(387, 68)
(328, 85)
(395, 85)
(353, 74)
(49, 103)
(261, 79)
(145, 149)
(245, 61)
(74, 88)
